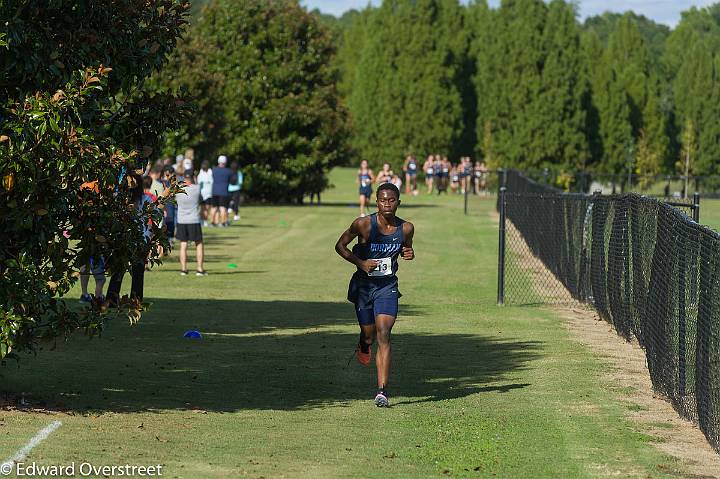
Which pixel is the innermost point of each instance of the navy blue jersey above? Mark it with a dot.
(364, 179)
(384, 248)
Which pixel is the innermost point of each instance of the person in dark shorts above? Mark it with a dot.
(365, 179)
(222, 177)
(382, 238)
(96, 267)
(189, 225)
(170, 210)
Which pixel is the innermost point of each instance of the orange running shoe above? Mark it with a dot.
(363, 358)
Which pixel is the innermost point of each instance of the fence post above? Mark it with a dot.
(502, 174)
(501, 251)
(696, 207)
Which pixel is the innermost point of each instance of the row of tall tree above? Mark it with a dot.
(527, 85)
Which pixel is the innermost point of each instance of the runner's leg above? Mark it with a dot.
(383, 326)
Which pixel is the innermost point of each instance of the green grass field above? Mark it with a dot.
(477, 390)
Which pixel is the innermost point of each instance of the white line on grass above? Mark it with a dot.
(39, 437)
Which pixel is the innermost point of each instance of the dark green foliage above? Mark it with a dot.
(350, 50)
(612, 95)
(73, 110)
(405, 96)
(654, 34)
(692, 55)
(627, 89)
(564, 89)
(530, 85)
(266, 92)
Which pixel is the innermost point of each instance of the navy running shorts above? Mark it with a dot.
(384, 305)
(366, 191)
(373, 297)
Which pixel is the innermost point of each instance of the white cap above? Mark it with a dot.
(222, 160)
(179, 158)
(187, 164)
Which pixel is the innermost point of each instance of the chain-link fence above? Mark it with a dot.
(645, 266)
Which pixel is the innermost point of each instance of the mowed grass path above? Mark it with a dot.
(477, 390)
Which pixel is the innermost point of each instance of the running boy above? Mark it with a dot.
(382, 237)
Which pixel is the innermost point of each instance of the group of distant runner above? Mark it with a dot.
(438, 173)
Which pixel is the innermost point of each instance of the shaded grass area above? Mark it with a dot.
(279, 355)
(477, 390)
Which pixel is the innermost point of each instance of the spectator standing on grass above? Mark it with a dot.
(189, 225)
(188, 169)
(222, 176)
(157, 186)
(137, 270)
(178, 162)
(205, 181)
(96, 264)
(234, 187)
(96, 267)
(170, 209)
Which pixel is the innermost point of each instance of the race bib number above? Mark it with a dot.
(413, 166)
(430, 171)
(364, 183)
(384, 267)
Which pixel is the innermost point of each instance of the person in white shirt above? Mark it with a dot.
(188, 226)
(205, 181)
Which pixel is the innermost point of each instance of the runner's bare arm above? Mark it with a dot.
(408, 253)
(357, 228)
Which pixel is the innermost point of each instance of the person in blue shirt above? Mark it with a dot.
(382, 238)
(365, 179)
(222, 177)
